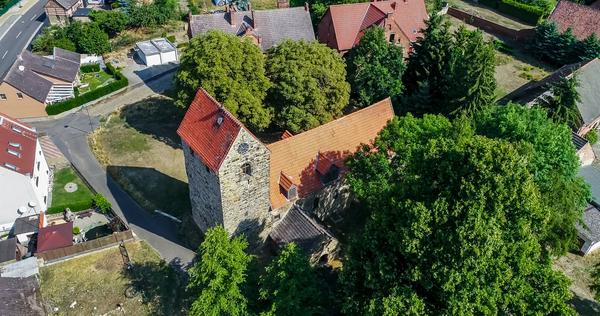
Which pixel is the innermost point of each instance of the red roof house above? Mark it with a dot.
(55, 237)
(581, 19)
(343, 25)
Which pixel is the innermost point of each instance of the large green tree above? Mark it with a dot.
(457, 226)
(219, 275)
(375, 68)
(289, 284)
(88, 38)
(561, 102)
(111, 22)
(230, 69)
(309, 84)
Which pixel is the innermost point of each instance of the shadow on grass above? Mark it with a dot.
(584, 306)
(157, 117)
(160, 285)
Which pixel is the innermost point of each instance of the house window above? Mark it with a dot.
(247, 169)
(45, 199)
(10, 166)
(316, 203)
(2, 96)
(37, 181)
(392, 38)
(332, 174)
(19, 95)
(292, 193)
(38, 166)
(16, 145)
(14, 153)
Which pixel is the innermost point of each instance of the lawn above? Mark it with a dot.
(98, 282)
(578, 269)
(94, 80)
(78, 200)
(141, 150)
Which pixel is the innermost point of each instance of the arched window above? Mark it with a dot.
(247, 169)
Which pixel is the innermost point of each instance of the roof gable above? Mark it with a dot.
(297, 156)
(583, 20)
(209, 129)
(17, 145)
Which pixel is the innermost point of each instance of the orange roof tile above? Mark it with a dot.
(296, 156)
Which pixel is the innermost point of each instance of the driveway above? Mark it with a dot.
(70, 134)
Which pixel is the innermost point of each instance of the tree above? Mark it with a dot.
(309, 84)
(561, 103)
(88, 38)
(290, 284)
(219, 275)
(151, 15)
(112, 22)
(375, 68)
(455, 226)
(231, 70)
(53, 36)
(588, 48)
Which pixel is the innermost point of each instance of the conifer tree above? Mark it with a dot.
(561, 103)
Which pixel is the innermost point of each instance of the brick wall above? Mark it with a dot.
(492, 27)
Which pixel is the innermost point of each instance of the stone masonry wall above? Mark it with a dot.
(245, 198)
(205, 193)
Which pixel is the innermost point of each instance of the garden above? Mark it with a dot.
(93, 80)
(69, 191)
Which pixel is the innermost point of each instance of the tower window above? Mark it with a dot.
(247, 169)
(392, 38)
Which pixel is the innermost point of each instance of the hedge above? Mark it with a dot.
(525, 12)
(90, 68)
(121, 82)
(74, 207)
(490, 3)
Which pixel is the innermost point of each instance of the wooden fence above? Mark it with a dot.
(492, 27)
(84, 247)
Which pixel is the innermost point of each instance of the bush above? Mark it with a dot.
(525, 12)
(90, 68)
(121, 82)
(592, 136)
(101, 203)
(76, 230)
(74, 207)
(171, 38)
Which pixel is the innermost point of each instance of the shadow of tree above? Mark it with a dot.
(155, 116)
(584, 306)
(161, 285)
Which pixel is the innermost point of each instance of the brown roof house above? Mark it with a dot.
(266, 28)
(34, 81)
(588, 75)
(581, 19)
(59, 12)
(343, 25)
(245, 185)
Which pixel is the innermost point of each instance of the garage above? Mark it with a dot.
(156, 52)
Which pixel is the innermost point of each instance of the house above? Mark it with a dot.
(588, 75)
(589, 233)
(343, 25)
(54, 237)
(239, 182)
(266, 28)
(24, 227)
(60, 11)
(581, 19)
(584, 149)
(24, 173)
(34, 81)
(157, 52)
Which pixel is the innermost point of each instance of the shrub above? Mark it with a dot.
(120, 82)
(76, 230)
(101, 203)
(90, 68)
(171, 38)
(592, 136)
(523, 11)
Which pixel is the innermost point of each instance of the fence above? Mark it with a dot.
(492, 27)
(8, 5)
(84, 247)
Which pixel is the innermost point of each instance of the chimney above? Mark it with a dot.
(281, 4)
(231, 17)
(306, 6)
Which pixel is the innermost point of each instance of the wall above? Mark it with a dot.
(40, 180)
(20, 108)
(245, 198)
(205, 193)
(332, 199)
(491, 27)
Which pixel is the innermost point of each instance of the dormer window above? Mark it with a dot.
(288, 187)
(219, 120)
(10, 166)
(327, 170)
(17, 129)
(15, 145)
(14, 153)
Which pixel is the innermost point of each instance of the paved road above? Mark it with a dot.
(70, 136)
(19, 35)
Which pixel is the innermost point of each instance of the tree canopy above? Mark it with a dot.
(230, 69)
(88, 38)
(309, 84)
(375, 68)
(563, 48)
(561, 103)
(111, 22)
(219, 274)
(461, 219)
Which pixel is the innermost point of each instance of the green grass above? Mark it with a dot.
(61, 199)
(94, 80)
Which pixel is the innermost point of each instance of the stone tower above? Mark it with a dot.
(227, 168)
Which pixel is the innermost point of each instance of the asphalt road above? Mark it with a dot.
(19, 35)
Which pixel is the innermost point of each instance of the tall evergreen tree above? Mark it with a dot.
(375, 68)
(561, 103)
(588, 48)
(219, 274)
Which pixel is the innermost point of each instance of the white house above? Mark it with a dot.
(24, 173)
(157, 52)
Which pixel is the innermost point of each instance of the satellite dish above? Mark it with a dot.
(22, 210)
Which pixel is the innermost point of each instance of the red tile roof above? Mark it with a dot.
(17, 145)
(296, 156)
(350, 20)
(55, 237)
(209, 129)
(583, 20)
